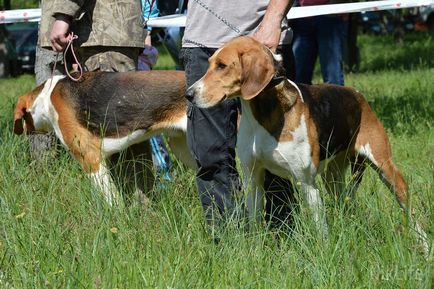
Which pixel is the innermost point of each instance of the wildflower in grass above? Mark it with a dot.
(20, 216)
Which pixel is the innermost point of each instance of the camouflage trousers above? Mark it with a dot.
(117, 59)
(91, 58)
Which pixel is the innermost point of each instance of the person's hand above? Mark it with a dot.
(268, 33)
(59, 32)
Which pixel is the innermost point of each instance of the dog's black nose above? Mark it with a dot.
(189, 94)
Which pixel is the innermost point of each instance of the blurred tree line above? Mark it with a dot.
(19, 4)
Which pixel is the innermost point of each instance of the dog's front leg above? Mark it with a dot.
(313, 199)
(102, 181)
(255, 195)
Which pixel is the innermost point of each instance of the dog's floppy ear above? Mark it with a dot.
(20, 110)
(21, 114)
(257, 72)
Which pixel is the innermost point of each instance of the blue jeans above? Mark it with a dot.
(322, 36)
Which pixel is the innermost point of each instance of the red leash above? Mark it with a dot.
(71, 38)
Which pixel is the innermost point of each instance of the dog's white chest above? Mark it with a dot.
(45, 117)
(257, 147)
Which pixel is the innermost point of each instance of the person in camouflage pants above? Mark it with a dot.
(110, 38)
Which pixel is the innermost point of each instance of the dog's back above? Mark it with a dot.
(337, 113)
(113, 104)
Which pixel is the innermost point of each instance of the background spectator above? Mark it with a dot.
(322, 36)
(147, 59)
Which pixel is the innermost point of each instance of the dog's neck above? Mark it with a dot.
(276, 80)
(280, 91)
(269, 108)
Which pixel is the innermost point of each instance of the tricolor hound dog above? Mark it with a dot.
(106, 112)
(292, 129)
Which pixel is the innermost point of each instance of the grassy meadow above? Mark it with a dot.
(56, 233)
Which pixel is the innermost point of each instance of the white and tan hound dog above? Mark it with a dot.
(106, 112)
(292, 130)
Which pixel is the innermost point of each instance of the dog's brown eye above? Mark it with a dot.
(220, 66)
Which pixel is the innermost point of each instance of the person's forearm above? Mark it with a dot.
(268, 32)
(67, 7)
(277, 10)
(64, 12)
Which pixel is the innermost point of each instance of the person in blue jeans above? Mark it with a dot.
(147, 59)
(322, 36)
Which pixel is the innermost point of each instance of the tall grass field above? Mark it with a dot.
(55, 232)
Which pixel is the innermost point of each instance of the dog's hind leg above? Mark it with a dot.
(333, 175)
(358, 167)
(376, 149)
(393, 179)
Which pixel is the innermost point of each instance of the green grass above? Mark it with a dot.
(56, 233)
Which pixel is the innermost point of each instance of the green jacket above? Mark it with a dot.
(97, 22)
